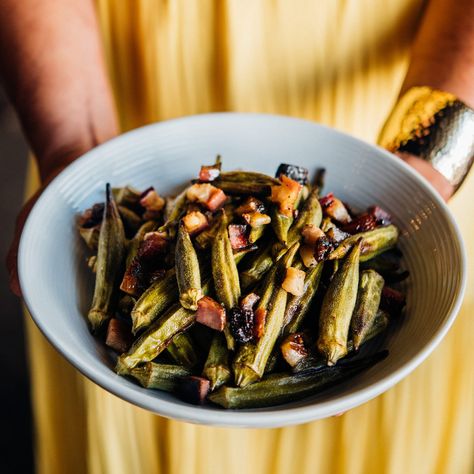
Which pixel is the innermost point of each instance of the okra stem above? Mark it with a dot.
(217, 368)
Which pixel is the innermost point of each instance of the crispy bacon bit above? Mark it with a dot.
(211, 313)
(285, 195)
(294, 281)
(336, 235)
(307, 256)
(153, 245)
(322, 249)
(239, 236)
(209, 173)
(260, 320)
(249, 301)
(334, 208)
(251, 205)
(361, 223)
(256, 219)
(152, 202)
(293, 349)
(92, 217)
(392, 301)
(311, 234)
(381, 216)
(242, 324)
(193, 389)
(119, 336)
(208, 195)
(195, 222)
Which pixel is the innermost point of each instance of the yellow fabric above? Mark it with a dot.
(337, 62)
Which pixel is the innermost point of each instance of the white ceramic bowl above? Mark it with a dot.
(57, 286)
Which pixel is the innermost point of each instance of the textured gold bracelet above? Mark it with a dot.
(435, 126)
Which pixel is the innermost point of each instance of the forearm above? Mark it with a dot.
(443, 52)
(54, 73)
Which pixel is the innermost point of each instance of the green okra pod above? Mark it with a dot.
(311, 214)
(298, 306)
(154, 301)
(127, 197)
(110, 256)
(225, 274)
(188, 273)
(217, 369)
(130, 219)
(90, 235)
(156, 338)
(251, 359)
(282, 388)
(245, 182)
(159, 376)
(368, 301)
(182, 350)
(374, 243)
(337, 308)
(174, 209)
(257, 267)
(280, 224)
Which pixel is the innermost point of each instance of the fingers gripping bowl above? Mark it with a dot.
(167, 155)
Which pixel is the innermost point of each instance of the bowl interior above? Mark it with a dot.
(58, 286)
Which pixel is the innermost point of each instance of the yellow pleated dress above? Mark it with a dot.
(337, 62)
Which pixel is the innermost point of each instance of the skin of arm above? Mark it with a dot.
(54, 73)
(53, 70)
(443, 58)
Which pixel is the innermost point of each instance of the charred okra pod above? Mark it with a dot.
(216, 369)
(188, 273)
(130, 219)
(282, 388)
(225, 274)
(127, 197)
(182, 350)
(313, 364)
(155, 339)
(250, 362)
(156, 299)
(245, 182)
(90, 235)
(337, 308)
(110, 255)
(368, 301)
(159, 376)
(173, 211)
(374, 243)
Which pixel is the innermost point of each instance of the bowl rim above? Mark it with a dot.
(279, 416)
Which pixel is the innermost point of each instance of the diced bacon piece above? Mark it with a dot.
(293, 349)
(322, 248)
(249, 301)
(195, 222)
(238, 235)
(132, 282)
(256, 219)
(209, 173)
(152, 201)
(153, 245)
(211, 313)
(307, 256)
(392, 301)
(208, 195)
(251, 205)
(259, 322)
(294, 281)
(336, 235)
(193, 389)
(285, 195)
(381, 216)
(361, 223)
(334, 208)
(119, 336)
(92, 217)
(311, 234)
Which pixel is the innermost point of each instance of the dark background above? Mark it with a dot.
(16, 452)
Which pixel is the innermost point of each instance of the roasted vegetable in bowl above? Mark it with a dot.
(244, 290)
